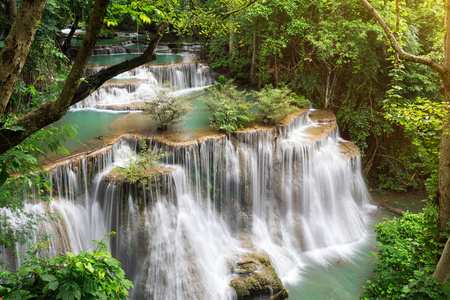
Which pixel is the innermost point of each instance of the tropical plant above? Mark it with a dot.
(229, 106)
(166, 107)
(88, 275)
(407, 258)
(274, 104)
(140, 168)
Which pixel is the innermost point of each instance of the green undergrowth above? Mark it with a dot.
(88, 275)
(407, 257)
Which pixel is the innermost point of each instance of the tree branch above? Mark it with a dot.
(402, 54)
(73, 92)
(94, 81)
(54, 110)
(447, 36)
(229, 13)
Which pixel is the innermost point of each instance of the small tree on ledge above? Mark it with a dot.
(166, 108)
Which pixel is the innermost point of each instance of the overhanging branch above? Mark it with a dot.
(94, 81)
(74, 91)
(402, 53)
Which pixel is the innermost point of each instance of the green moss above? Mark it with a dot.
(257, 276)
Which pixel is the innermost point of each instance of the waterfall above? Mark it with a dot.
(138, 85)
(285, 192)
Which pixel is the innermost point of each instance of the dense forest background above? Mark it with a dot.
(333, 53)
(330, 52)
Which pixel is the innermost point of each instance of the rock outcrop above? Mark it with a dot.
(256, 277)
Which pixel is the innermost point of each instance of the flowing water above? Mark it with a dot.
(291, 192)
(283, 192)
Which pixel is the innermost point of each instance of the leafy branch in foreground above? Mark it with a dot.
(140, 168)
(407, 259)
(88, 275)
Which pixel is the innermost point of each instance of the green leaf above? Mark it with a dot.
(3, 174)
(53, 285)
(89, 267)
(48, 277)
(18, 295)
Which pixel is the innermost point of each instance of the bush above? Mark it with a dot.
(88, 275)
(407, 259)
(275, 104)
(140, 167)
(228, 105)
(166, 108)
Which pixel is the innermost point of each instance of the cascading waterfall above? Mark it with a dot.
(139, 84)
(283, 192)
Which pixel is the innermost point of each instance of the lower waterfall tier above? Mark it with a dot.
(278, 192)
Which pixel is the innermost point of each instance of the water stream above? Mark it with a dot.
(292, 192)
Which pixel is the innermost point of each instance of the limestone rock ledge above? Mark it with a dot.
(256, 277)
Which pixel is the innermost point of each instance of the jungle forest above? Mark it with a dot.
(224, 149)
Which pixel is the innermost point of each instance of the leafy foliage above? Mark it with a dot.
(88, 275)
(140, 168)
(422, 124)
(407, 259)
(229, 106)
(21, 178)
(274, 104)
(166, 108)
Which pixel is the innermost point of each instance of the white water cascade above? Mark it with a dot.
(285, 192)
(138, 85)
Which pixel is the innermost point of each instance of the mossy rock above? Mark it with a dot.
(257, 277)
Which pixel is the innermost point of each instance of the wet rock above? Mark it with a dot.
(257, 277)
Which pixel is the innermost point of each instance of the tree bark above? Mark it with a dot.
(442, 271)
(231, 39)
(253, 65)
(68, 41)
(444, 166)
(17, 45)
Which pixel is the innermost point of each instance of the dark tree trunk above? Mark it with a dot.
(17, 45)
(68, 41)
(253, 65)
(444, 166)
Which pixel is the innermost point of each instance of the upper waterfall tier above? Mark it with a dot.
(138, 85)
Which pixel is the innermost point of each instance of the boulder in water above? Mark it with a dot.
(257, 277)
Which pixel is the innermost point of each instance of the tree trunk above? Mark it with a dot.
(68, 41)
(442, 271)
(17, 45)
(253, 65)
(231, 39)
(444, 165)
